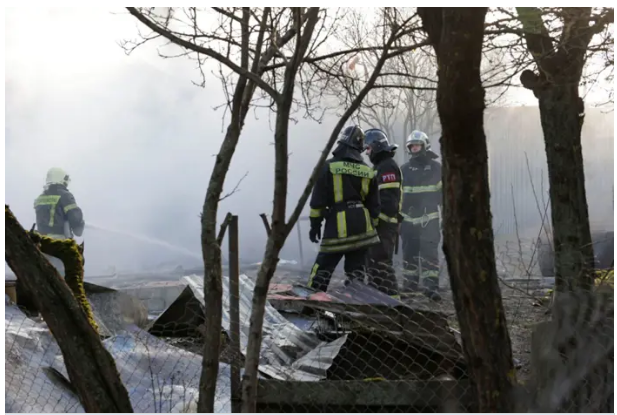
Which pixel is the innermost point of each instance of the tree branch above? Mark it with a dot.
(538, 40)
(204, 51)
(264, 219)
(235, 189)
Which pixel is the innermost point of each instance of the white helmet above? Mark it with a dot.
(56, 175)
(417, 137)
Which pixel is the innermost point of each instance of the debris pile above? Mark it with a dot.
(354, 333)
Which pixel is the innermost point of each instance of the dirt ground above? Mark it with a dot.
(521, 316)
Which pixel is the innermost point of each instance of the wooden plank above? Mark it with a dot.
(411, 394)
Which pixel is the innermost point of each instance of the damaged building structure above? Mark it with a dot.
(354, 350)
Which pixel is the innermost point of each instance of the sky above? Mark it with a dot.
(137, 138)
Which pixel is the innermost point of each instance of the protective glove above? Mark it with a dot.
(315, 234)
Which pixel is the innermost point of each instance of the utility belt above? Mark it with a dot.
(351, 204)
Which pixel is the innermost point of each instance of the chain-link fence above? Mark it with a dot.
(354, 349)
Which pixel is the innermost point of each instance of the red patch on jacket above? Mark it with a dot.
(388, 178)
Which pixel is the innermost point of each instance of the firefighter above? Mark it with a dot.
(421, 231)
(57, 213)
(381, 271)
(347, 197)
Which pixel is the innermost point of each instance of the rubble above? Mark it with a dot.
(283, 343)
(357, 334)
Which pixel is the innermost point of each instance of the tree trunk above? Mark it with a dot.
(457, 36)
(213, 289)
(275, 242)
(92, 371)
(213, 268)
(279, 230)
(258, 306)
(560, 68)
(560, 107)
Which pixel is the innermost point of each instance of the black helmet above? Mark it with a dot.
(378, 142)
(353, 137)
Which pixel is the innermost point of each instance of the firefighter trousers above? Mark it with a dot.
(326, 262)
(421, 255)
(381, 273)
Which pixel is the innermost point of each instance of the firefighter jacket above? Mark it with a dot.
(55, 207)
(390, 184)
(347, 197)
(421, 189)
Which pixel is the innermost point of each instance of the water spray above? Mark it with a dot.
(146, 239)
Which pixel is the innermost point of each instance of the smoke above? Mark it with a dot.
(138, 139)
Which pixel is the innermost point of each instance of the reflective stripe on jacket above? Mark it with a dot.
(347, 197)
(55, 207)
(422, 190)
(390, 184)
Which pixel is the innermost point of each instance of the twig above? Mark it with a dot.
(515, 288)
(235, 189)
(533, 189)
(518, 236)
(162, 31)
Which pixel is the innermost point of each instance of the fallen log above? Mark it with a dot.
(92, 370)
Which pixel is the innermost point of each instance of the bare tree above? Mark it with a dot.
(403, 96)
(394, 28)
(399, 110)
(457, 35)
(560, 41)
(263, 33)
(275, 70)
(404, 99)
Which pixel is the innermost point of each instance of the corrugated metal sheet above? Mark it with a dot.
(158, 377)
(29, 350)
(284, 344)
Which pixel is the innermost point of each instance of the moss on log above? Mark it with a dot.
(71, 255)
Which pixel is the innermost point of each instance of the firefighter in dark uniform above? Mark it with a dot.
(57, 213)
(388, 174)
(58, 217)
(346, 196)
(421, 230)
